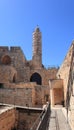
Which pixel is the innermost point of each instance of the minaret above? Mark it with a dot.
(37, 47)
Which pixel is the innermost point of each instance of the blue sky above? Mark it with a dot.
(18, 18)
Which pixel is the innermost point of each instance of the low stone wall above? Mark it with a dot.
(7, 119)
(26, 118)
(20, 85)
(19, 96)
(24, 94)
(18, 118)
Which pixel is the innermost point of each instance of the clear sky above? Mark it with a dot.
(18, 18)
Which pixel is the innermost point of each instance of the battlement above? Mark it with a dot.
(11, 49)
(4, 48)
(15, 49)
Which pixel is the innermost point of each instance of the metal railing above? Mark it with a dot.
(51, 66)
(42, 120)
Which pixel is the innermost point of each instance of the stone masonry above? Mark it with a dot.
(16, 71)
(31, 81)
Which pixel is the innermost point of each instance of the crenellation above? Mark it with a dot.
(15, 49)
(4, 49)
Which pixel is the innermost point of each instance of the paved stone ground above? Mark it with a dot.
(52, 121)
(58, 121)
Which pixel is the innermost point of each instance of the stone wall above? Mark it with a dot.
(17, 61)
(26, 118)
(20, 96)
(64, 70)
(49, 74)
(7, 118)
(15, 67)
(45, 74)
(17, 118)
(42, 95)
(71, 108)
(58, 96)
(7, 74)
(24, 94)
(56, 92)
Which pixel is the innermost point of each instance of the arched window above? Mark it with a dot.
(36, 78)
(6, 60)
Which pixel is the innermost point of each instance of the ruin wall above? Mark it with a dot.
(64, 70)
(7, 119)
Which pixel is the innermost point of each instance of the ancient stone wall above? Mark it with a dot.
(7, 118)
(45, 74)
(16, 59)
(42, 95)
(17, 118)
(71, 104)
(24, 94)
(20, 96)
(64, 70)
(49, 74)
(58, 96)
(26, 118)
(71, 112)
(56, 92)
(22, 71)
(7, 74)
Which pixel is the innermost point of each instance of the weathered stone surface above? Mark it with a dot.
(7, 118)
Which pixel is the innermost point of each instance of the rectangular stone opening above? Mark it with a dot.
(1, 85)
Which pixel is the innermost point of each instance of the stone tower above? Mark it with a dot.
(37, 47)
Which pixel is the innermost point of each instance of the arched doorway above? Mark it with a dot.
(36, 78)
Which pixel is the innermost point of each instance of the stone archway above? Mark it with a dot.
(36, 78)
(6, 60)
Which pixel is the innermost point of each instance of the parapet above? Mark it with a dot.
(4, 48)
(15, 49)
(10, 49)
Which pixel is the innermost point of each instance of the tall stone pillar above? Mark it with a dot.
(51, 94)
(52, 97)
(37, 47)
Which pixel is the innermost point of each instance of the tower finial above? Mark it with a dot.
(37, 28)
